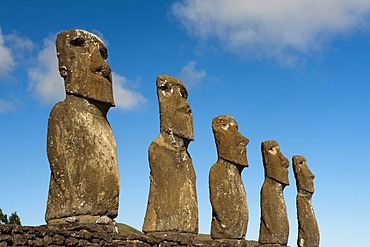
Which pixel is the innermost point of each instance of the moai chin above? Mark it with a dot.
(308, 230)
(84, 181)
(172, 203)
(274, 226)
(227, 193)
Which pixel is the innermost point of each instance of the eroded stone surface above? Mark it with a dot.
(274, 226)
(84, 182)
(82, 63)
(308, 230)
(227, 193)
(172, 203)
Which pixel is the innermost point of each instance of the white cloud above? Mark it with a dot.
(6, 106)
(190, 75)
(125, 98)
(44, 79)
(6, 59)
(19, 43)
(271, 28)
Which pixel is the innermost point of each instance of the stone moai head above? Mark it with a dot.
(82, 63)
(231, 145)
(303, 176)
(275, 163)
(175, 112)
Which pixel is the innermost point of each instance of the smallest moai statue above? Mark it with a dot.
(227, 193)
(308, 229)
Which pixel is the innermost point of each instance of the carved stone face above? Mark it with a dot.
(175, 112)
(82, 64)
(304, 177)
(275, 163)
(231, 145)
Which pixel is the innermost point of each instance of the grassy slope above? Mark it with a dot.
(126, 229)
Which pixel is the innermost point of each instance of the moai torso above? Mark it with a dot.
(308, 229)
(274, 226)
(84, 182)
(227, 193)
(172, 203)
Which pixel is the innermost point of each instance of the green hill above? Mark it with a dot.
(126, 229)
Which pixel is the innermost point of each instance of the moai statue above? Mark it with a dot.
(172, 203)
(308, 230)
(84, 182)
(274, 226)
(227, 193)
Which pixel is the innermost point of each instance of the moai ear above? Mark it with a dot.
(63, 71)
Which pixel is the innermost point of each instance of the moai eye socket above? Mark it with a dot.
(234, 124)
(163, 86)
(79, 41)
(274, 150)
(183, 92)
(103, 52)
(225, 126)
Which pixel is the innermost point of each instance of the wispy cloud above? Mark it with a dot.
(6, 58)
(270, 28)
(14, 51)
(190, 75)
(44, 79)
(126, 99)
(6, 106)
(19, 43)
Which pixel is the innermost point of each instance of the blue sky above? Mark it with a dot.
(296, 71)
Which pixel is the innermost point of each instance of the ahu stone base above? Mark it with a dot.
(100, 235)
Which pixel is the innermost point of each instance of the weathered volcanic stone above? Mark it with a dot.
(274, 227)
(172, 203)
(82, 63)
(227, 193)
(84, 182)
(82, 235)
(308, 229)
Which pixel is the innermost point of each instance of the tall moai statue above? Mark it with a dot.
(84, 182)
(274, 226)
(172, 203)
(308, 229)
(227, 193)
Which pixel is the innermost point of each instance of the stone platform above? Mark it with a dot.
(97, 235)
